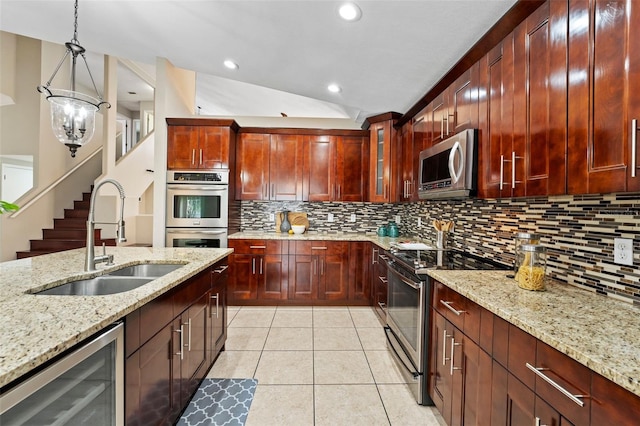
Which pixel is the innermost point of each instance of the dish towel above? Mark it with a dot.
(220, 402)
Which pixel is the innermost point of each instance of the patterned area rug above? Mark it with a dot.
(220, 402)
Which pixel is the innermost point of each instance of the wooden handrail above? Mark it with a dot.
(54, 184)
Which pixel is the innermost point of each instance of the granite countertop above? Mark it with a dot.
(384, 242)
(34, 329)
(600, 333)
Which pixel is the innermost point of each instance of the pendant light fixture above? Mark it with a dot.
(73, 113)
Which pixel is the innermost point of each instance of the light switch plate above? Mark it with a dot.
(272, 216)
(623, 251)
(419, 221)
(353, 217)
(330, 217)
(398, 218)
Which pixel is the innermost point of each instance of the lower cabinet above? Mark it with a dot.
(166, 361)
(505, 376)
(299, 272)
(379, 284)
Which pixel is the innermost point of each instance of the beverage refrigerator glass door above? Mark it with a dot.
(85, 386)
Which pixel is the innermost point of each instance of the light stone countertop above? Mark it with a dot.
(34, 329)
(384, 242)
(602, 334)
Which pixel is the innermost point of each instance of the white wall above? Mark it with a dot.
(25, 129)
(175, 97)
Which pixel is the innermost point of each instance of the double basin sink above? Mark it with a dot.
(118, 281)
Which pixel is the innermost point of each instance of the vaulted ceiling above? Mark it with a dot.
(288, 52)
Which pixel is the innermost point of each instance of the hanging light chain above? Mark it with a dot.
(75, 22)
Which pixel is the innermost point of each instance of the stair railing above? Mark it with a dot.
(55, 183)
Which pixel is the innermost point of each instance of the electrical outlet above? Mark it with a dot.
(623, 251)
(398, 218)
(353, 217)
(419, 221)
(330, 217)
(272, 216)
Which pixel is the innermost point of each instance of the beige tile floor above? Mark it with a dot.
(318, 366)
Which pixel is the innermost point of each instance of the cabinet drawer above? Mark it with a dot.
(612, 404)
(155, 315)
(259, 246)
(522, 350)
(450, 304)
(573, 377)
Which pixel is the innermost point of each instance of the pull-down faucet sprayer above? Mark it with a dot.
(91, 259)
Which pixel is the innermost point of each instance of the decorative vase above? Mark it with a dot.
(285, 226)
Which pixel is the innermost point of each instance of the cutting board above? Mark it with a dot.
(295, 218)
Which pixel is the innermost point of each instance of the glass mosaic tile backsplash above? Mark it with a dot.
(578, 231)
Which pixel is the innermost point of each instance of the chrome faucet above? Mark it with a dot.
(91, 259)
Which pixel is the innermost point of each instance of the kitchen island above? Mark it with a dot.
(36, 328)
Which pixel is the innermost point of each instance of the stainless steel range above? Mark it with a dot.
(408, 301)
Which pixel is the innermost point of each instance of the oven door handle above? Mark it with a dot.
(413, 369)
(209, 188)
(197, 232)
(416, 286)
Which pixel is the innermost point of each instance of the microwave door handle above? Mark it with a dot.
(455, 177)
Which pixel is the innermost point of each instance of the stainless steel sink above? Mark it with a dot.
(154, 270)
(98, 286)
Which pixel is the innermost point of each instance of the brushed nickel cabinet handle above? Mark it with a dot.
(448, 305)
(513, 169)
(258, 247)
(444, 347)
(221, 269)
(318, 248)
(189, 328)
(453, 345)
(374, 256)
(273, 191)
(539, 372)
(260, 266)
(181, 351)
(193, 156)
(200, 157)
(634, 145)
(217, 298)
(501, 172)
(253, 266)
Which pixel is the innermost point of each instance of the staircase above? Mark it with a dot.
(67, 233)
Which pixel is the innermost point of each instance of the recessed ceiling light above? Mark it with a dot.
(334, 88)
(350, 12)
(231, 65)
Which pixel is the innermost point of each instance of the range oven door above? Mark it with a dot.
(406, 328)
(202, 205)
(194, 237)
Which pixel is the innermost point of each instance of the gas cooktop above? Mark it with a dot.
(421, 261)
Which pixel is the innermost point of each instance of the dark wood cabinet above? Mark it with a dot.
(168, 349)
(269, 167)
(200, 143)
(258, 270)
(539, 152)
(217, 324)
(379, 282)
(410, 145)
(360, 254)
(336, 168)
(496, 120)
(611, 404)
(319, 271)
(383, 167)
(604, 40)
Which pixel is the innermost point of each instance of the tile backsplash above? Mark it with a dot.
(578, 231)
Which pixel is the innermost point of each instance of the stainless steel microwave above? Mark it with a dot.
(449, 168)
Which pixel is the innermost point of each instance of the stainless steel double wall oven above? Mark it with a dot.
(197, 208)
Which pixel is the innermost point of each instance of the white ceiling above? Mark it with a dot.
(288, 51)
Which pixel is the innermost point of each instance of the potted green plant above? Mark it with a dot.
(6, 207)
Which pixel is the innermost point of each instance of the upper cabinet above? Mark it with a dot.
(523, 109)
(604, 96)
(383, 167)
(200, 143)
(335, 168)
(269, 167)
(302, 165)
